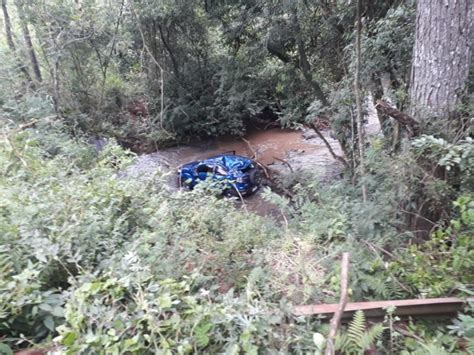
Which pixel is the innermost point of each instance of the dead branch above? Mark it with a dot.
(286, 163)
(336, 319)
(407, 333)
(334, 155)
(374, 246)
(374, 249)
(264, 168)
(269, 172)
(27, 125)
(254, 157)
(241, 198)
(409, 122)
(286, 191)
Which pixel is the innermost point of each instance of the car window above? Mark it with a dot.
(204, 168)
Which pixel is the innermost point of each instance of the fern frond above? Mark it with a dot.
(371, 336)
(357, 326)
(358, 338)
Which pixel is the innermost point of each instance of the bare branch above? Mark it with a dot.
(286, 163)
(336, 319)
(334, 155)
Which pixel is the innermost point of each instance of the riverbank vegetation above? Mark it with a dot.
(94, 262)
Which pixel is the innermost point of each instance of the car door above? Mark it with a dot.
(204, 171)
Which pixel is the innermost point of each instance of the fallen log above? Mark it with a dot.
(376, 309)
(409, 122)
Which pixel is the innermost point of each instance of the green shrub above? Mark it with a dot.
(444, 263)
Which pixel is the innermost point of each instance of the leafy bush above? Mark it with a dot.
(139, 313)
(126, 264)
(66, 212)
(439, 266)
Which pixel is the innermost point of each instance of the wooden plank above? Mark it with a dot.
(410, 307)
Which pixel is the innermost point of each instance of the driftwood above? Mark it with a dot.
(27, 125)
(336, 319)
(409, 122)
(334, 155)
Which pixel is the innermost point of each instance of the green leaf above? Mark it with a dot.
(46, 307)
(201, 334)
(165, 301)
(68, 339)
(49, 323)
(5, 349)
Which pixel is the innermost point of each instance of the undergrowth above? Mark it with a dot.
(91, 259)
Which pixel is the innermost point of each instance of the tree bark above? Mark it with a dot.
(28, 42)
(304, 65)
(11, 43)
(306, 70)
(360, 133)
(442, 56)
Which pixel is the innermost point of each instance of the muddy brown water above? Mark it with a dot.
(303, 150)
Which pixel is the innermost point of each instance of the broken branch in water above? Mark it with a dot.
(286, 163)
(267, 170)
(254, 157)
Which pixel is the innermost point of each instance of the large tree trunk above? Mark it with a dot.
(441, 57)
(10, 42)
(28, 42)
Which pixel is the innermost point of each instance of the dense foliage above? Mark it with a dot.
(93, 260)
(113, 262)
(150, 73)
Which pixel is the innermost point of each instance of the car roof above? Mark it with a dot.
(229, 161)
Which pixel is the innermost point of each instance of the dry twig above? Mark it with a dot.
(334, 155)
(286, 163)
(336, 319)
(254, 157)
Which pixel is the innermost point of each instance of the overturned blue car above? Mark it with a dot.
(236, 175)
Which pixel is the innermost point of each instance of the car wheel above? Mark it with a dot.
(184, 184)
(230, 192)
(255, 177)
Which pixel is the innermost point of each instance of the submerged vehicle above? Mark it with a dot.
(235, 174)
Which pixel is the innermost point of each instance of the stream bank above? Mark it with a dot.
(276, 148)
